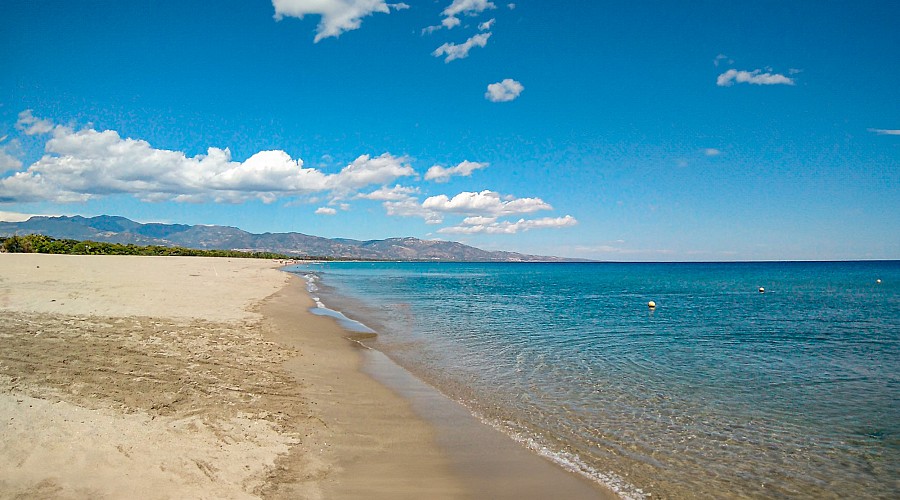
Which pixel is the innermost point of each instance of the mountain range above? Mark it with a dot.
(116, 229)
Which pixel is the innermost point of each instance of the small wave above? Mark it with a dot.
(569, 461)
(322, 310)
(345, 322)
(311, 282)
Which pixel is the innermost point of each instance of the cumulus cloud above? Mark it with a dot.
(31, 125)
(8, 161)
(485, 203)
(504, 91)
(711, 152)
(467, 7)
(80, 165)
(475, 225)
(483, 211)
(84, 164)
(366, 171)
(438, 173)
(755, 77)
(461, 51)
(881, 131)
(478, 219)
(470, 7)
(411, 207)
(450, 22)
(337, 16)
(385, 193)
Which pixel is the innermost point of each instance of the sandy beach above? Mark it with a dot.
(187, 377)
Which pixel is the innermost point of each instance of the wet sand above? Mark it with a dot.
(177, 377)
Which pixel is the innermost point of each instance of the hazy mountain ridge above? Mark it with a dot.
(116, 229)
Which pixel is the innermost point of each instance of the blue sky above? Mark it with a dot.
(620, 130)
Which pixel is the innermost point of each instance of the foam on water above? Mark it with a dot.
(321, 310)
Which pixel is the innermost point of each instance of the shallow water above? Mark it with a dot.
(720, 391)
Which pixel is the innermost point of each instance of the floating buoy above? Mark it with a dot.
(651, 305)
(878, 281)
(762, 290)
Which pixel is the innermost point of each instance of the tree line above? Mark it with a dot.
(38, 243)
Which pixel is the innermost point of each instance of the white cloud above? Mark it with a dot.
(438, 173)
(482, 208)
(485, 203)
(478, 219)
(8, 161)
(486, 25)
(31, 125)
(711, 152)
(84, 164)
(366, 171)
(410, 207)
(461, 51)
(385, 193)
(451, 22)
(469, 7)
(504, 91)
(79, 165)
(14, 216)
(511, 6)
(755, 77)
(881, 131)
(337, 16)
(465, 7)
(474, 225)
(722, 57)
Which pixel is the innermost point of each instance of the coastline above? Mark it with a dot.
(203, 377)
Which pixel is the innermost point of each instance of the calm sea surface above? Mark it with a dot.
(721, 391)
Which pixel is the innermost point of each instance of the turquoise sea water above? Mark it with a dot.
(719, 392)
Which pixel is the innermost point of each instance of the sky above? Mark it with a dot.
(607, 130)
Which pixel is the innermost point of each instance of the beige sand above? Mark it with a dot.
(158, 377)
(119, 378)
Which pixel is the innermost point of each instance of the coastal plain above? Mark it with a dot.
(192, 377)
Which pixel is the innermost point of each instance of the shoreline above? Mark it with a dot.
(192, 376)
(485, 462)
(490, 461)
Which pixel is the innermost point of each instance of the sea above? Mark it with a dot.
(746, 380)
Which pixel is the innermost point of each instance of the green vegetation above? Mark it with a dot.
(38, 243)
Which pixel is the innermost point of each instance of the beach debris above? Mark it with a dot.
(651, 305)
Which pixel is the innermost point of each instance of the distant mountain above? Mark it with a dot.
(121, 230)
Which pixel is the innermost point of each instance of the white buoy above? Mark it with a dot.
(651, 305)
(762, 290)
(878, 281)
